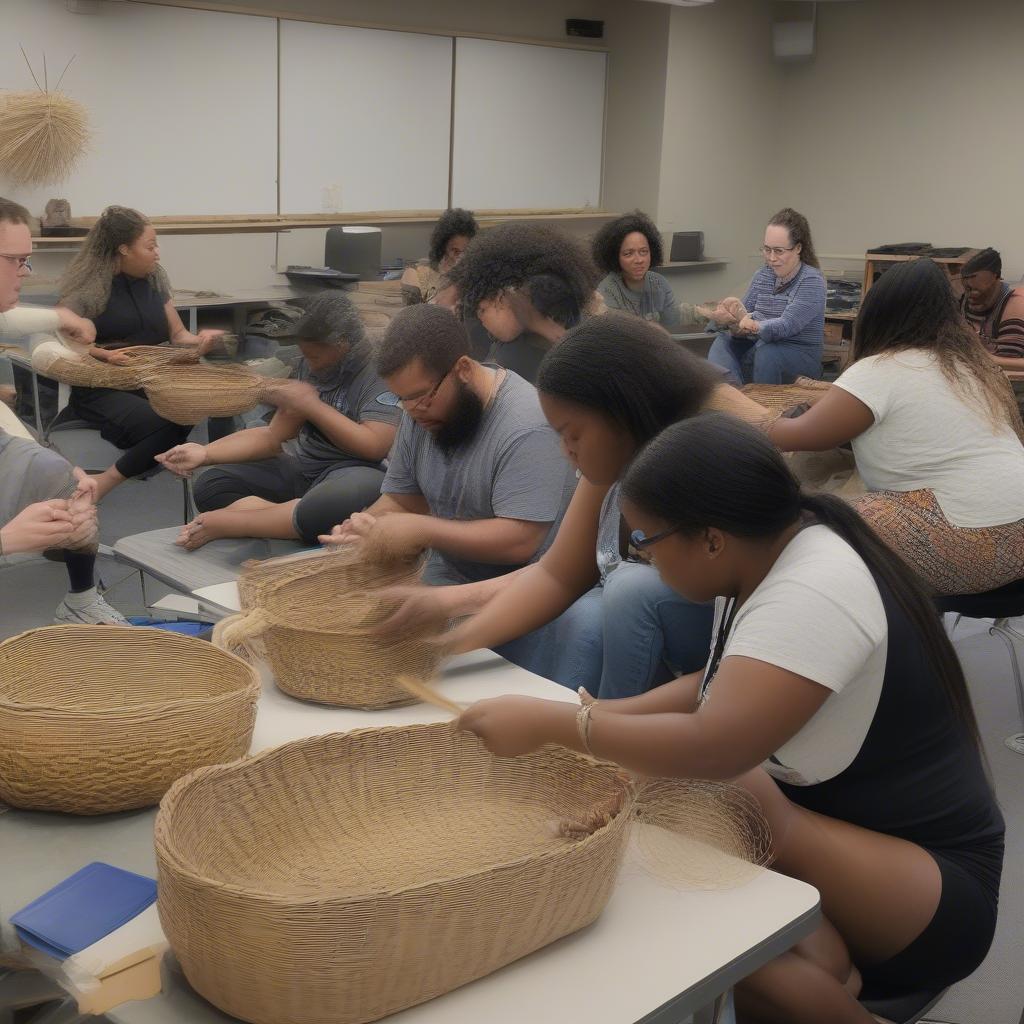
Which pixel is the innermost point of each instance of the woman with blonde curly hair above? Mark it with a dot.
(116, 281)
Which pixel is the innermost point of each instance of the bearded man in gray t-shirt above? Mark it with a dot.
(476, 474)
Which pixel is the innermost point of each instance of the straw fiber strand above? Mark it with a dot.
(314, 620)
(343, 878)
(96, 719)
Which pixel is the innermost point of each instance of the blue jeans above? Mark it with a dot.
(765, 362)
(632, 634)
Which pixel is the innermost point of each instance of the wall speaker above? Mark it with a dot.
(793, 40)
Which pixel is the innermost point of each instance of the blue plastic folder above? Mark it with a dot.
(82, 909)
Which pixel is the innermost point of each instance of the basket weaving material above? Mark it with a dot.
(160, 355)
(188, 394)
(339, 879)
(87, 372)
(313, 620)
(779, 397)
(95, 719)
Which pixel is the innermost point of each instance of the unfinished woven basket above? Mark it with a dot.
(313, 617)
(87, 372)
(188, 394)
(779, 397)
(160, 355)
(95, 719)
(339, 879)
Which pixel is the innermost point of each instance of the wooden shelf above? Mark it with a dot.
(254, 224)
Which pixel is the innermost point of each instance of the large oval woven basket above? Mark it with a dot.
(313, 620)
(188, 394)
(339, 879)
(95, 719)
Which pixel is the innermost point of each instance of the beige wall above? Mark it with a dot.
(907, 126)
(636, 35)
(717, 163)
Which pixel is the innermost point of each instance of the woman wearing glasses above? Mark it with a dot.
(832, 695)
(782, 335)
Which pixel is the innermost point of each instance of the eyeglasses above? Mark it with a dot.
(411, 404)
(776, 250)
(18, 261)
(642, 542)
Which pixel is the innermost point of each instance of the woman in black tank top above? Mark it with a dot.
(903, 838)
(117, 282)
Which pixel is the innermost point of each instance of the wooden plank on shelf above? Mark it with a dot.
(209, 225)
(710, 261)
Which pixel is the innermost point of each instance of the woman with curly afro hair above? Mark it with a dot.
(526, 285)
(626, 249)
(454, 230)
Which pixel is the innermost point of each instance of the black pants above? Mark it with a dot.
(327, 500)
(127, 420)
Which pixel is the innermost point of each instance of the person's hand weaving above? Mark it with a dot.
(417, 609)
(399, 535)
(41, 526)
(294, 396)
(208, 339)
(110, 355)
(183, 459)
(512, 725)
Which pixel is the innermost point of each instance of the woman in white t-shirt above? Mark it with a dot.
(935, 431)
(832, 694)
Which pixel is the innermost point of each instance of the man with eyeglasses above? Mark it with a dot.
(476, 474)
(45, 504)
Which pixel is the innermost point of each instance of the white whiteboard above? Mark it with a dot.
(365, 119)
(529, 126)
(183, 105)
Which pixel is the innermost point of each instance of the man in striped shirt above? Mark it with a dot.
(994, 309)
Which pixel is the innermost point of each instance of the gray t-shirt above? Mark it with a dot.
(355, 389)
(653, 301)
(522, 356)
(513, 468)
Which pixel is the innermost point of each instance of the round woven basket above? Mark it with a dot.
(95, 719)
(160, 355)
(313, 620)
(339, 879)
(779, 397)
(189, 394)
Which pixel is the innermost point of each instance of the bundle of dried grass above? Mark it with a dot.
(43, 133)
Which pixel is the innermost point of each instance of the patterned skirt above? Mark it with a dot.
(950, 559)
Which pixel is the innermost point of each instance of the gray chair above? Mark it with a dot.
(907, 1009)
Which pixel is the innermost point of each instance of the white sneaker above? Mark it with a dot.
(97, 612)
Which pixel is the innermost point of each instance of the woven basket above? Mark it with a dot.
(339, 879)
(312, 618)
(95, 719)
(160, 355)
(87, 372)
(188, 394)
(779, 397)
